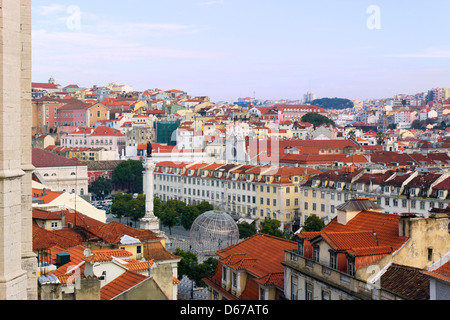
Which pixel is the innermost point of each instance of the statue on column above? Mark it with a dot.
(149, 149)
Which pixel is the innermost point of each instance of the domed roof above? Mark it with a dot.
(213, 231)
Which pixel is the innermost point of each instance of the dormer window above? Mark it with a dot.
(333, 259)
(351, 266)
(316, 253)
(301, 247)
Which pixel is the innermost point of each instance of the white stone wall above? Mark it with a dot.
(17, 264)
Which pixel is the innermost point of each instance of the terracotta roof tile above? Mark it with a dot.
(45, 159)
(408, 282)
(157, 252)
(121, 284)
(383, 224)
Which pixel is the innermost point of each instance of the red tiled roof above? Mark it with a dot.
(48, 196)
(45, 159)
(114, 231)
(341, 241)
(44, 85)
(44, 239)
(408, 282)
(266, 249)
(384, 225)
(121, 284)
(442, 273)
(106, 131)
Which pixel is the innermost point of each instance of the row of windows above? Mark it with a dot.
(85, 142)
(231, 185)
(309, 290)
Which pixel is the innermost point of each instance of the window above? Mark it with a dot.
(325, 295)
(430, 254)
(224, 274)
(351, 266)
(262, 293)
(235, 279)
(316, 253)
(333, 259)
(294, 287)
(309, 291)
(404, 203)
(300, 247)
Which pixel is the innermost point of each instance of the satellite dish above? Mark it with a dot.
(97, 270)
(87, 253)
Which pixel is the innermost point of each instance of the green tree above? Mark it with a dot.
(417, 124)
(136, 208)
(169, 217)
(246, 230)
(157, 206)
(120, 207)
(352, 135)
(313, 223)
(101, 187)
(130, 173)
(317, 120)
(189, 267)
(188, 216)
(205, 206)
(272, 227)
(203, 270)
(189, 259)
(335, 103)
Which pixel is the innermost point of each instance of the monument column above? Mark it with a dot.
(150, 221)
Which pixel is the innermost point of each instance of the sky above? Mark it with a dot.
(227, 49)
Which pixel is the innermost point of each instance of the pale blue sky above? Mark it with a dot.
(228, 49)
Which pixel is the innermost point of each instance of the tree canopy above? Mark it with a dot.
(313, 223)
(101, 187)
(272, 227)
(130, 173)
(317, 119)
(125, 206)
(335, 103)
(246, 230)
(189, 266)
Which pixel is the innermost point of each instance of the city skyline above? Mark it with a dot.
(229, 49)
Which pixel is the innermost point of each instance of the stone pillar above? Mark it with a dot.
(149, 222)
(29, 261)
(15, 54)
